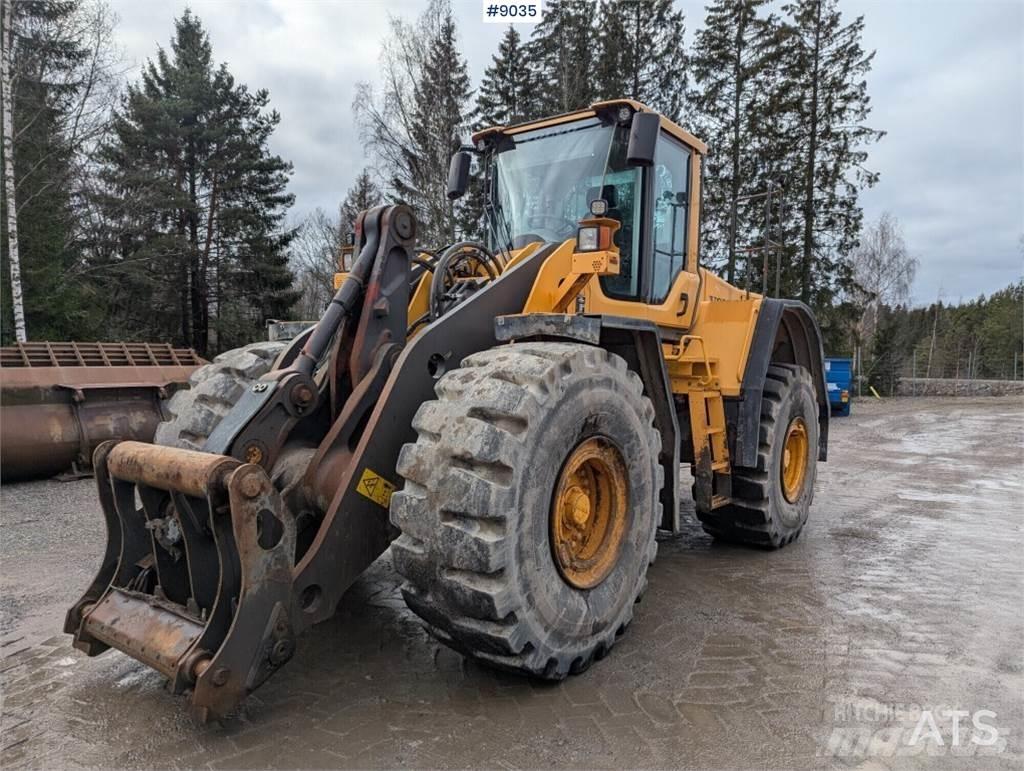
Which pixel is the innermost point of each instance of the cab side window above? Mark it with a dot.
(671, 213)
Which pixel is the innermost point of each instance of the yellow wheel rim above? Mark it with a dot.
(794, 459)
(588, 513)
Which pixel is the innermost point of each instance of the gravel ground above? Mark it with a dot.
(52, 536)
(903, 599)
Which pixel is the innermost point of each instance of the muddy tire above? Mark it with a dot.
(213, 390)
(476, 509)
(761, 514)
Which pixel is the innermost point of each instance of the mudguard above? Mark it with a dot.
(786, 332)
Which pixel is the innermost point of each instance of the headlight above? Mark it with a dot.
(588, 239)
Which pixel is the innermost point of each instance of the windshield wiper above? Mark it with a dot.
(503, 234)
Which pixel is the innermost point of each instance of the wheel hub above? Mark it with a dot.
(577, 511)
(795, 452)
(588, 513)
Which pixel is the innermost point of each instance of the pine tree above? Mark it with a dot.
(509, 91)
(730, 102)
(442, 113)
(196, 202)
(562, 47)
(641, 55)
(887, 353)
(364, 194)
(825, 71)
(254, 205)
(509, 94)
(770, 150)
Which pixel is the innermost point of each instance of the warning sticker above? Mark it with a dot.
(375, 487)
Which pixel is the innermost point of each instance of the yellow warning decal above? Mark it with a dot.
(375, 487)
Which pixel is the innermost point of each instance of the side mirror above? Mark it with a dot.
(458, 175)
(643, 138)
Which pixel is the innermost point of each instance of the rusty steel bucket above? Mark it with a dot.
(59, 401)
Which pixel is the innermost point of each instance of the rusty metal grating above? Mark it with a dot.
(97, 355)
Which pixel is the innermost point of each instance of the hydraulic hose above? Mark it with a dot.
(344, 300)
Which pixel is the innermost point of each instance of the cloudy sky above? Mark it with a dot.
(947, 86)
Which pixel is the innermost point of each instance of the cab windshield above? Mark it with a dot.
(541, 184)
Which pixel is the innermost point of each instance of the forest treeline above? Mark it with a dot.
(976, 339)
(780, 98)
(155, 210)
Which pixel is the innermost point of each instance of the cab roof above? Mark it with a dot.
(669, 126)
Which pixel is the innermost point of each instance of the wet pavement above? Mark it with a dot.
(903, 600)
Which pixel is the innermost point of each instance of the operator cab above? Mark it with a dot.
(540, 180)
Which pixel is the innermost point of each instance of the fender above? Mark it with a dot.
(785, 332)
(635, 340)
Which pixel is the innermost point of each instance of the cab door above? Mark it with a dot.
(659, 280)
(673, 282)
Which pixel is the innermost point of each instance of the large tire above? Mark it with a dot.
(213, 390)
(760, 513)
(476, 545)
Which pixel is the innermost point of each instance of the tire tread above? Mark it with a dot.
(469, 443)
(748, 519)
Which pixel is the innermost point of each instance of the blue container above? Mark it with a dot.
(839, 376)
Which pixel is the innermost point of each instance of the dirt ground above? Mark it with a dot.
(903, 600)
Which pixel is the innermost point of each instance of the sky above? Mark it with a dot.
(947, 85)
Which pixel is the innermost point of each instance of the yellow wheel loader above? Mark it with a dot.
(508, 416)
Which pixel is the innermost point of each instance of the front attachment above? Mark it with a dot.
(196, 580)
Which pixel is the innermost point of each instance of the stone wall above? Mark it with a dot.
(921, 386)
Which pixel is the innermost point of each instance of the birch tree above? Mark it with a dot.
(420, 116)
(314, 252)
(63, 73)
(319, 238)
(10, 196)
(884, 270)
